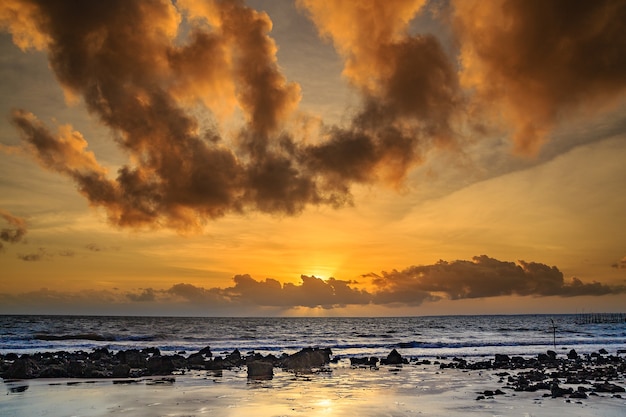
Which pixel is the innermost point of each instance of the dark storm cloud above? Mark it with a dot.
(534, 62)
(15, 231)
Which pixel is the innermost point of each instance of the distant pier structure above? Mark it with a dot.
(600, 318)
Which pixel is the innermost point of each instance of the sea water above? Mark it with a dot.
(419, 337)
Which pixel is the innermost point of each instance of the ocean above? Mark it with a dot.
(418, 337)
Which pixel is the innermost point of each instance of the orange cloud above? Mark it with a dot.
(531, 62)
(408, 83)
(141, 76)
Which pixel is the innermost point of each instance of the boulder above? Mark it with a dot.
(206, 352)
(160, 365)
(307, 358)
(121, 370)
(133, 358)
(260, 369)
(364, 361)
(556, 391)
(572, 354)
(501, 359)
(233, 359)
(394, 358)
(608, 387)
(196, 360)
(22, 368)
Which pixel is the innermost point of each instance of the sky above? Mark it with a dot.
(312, 158)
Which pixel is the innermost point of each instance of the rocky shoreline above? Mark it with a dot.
(571, 376)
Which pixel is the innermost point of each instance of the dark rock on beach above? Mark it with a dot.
(22, 368)
(260, 369)
(371, 361)
(307, 359)
(394, 358)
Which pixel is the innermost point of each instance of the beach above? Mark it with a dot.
(443, 366)
(341, 390)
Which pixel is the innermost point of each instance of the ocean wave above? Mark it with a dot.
(88, 336)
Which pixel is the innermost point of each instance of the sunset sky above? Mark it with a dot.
(277, 157)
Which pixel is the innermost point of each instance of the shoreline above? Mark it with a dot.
(310, 382)
(343, 390)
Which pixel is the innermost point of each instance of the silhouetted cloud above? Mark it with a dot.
(532, 62)
(16, 230)
(313, 292)
(146, 295)
(482, 277)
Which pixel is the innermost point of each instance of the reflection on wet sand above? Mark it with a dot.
(345, 391)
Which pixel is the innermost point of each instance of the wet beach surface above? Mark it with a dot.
(337, 389)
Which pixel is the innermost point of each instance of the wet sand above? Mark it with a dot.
(410, 390)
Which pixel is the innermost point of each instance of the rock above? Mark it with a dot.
(551, 354)
(160, 365)
(154, 351)
(557, 391)
(100, 354)
(364, 361)
(542, 357)
(260, 369)
(578, 395)
(121, 370)
(501, 359)
(608, 387)
(53, 371)
(233, 359)
(603, 352)
(196, 360)
(394, 358)
(216, 364)
(572, 354)
(22, 368)
(133, 358)
(206, 352)
(307, 358)
(76, 369)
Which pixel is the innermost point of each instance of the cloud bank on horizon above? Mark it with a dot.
(482, 277)
(151, 71)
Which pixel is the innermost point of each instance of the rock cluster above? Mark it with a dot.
(592, 373)
(132, 363)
